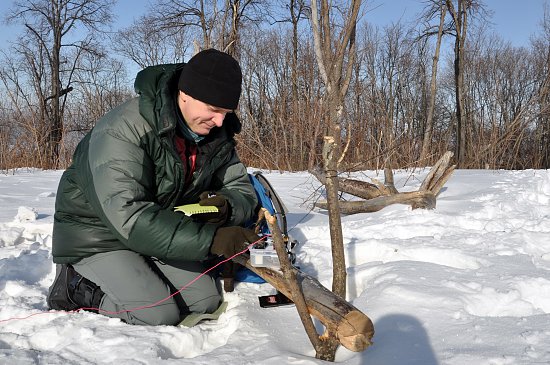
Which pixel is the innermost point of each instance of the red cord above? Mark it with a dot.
(144, 306)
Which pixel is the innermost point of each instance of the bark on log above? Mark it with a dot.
(416, 199)
(361, 189)
(439, 174)
(353, 328)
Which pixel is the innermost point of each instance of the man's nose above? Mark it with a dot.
(218, 119)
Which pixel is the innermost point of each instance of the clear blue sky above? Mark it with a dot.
(513, 20)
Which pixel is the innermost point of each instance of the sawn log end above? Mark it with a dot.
(355, 331)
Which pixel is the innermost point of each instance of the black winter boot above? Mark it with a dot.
(84, 293)
(72, 291)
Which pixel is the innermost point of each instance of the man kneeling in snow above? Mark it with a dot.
(117, 242)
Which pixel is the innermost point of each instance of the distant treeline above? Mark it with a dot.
(408, 101)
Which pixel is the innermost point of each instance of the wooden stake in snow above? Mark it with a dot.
(353, 328)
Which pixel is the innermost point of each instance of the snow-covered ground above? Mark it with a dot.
(466, 283)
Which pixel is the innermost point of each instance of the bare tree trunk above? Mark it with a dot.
(336, 79)
(339, 274)
(460, 18)
(47, 23)
(56, 122)
(433, 88)
(337, 82)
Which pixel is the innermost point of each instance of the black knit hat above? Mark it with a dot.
(212, 77)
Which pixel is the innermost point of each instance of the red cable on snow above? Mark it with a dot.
(144, 306)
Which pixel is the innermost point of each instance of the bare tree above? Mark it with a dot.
(437, 8)
(24, 97)
(217, 23)
(461, 14)
(395, 110)
(49, 24)
(541, 51)
(275, 134)
(101, 83)
(336, 68)
(460, 22)
(145, 44)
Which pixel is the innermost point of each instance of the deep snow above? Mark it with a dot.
(466, 283)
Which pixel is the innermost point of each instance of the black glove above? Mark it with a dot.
(230, 240)
(219, 201)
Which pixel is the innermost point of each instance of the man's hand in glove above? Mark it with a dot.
(219, 201)
(231, 240)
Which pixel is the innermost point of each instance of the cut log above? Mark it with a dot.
(354, 329)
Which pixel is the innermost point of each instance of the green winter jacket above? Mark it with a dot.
(126, 178)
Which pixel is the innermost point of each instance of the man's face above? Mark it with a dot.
(200, 117)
